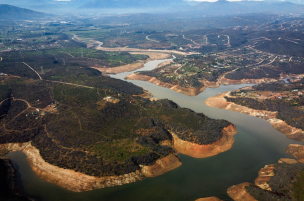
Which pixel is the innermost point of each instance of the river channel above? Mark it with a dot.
(256, 145)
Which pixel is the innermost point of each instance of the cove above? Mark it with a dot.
(256, 145)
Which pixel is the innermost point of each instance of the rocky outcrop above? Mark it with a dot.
(219, 101)
(239, 193)
(209, 199)
(288, 161)
(161, 166)
(297, 151)
(264, 175)
(183, 90)
(203, 151)
(78, 182)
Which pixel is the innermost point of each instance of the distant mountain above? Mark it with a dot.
(223, 7)
(48, 6)
(13, 12)
(29, 4)
(116, 4)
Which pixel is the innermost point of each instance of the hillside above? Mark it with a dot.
(224, 7)
(132, 3)
(94, 125)
(9, 12)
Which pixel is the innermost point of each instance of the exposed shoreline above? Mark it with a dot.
(134, 66)
(219, 101)
(203, 151)
(197, 90)
(239, 193)
(79, 182)
(179, 89)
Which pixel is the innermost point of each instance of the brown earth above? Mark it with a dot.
(127, 49)
(219, 101)
(288, 160)
(226, 81)
(209, 199)
(133, 66)
(264, 175)
(239, 193)
(161, 166)
(99, 44)
(179, 89)
(120, 69)
(203, 151)
(297, 151)
(146, 94)
(154, 55)
(164, 64)
(79, 182)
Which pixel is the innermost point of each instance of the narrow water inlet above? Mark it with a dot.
(256, 144)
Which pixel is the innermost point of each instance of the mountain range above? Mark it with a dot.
(133, 3)
(13, 12)
(221, 7)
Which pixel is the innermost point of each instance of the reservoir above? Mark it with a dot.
(256, 144)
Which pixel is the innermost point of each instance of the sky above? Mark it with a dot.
(295, 1)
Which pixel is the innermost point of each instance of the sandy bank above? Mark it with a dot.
(119, 69)
(297, 151)
(179, 89)
(219, 101)
(161, 166)
(239, 193)
(264, 175)
(146, 94)
(203, 151)
(209, 199)
(133, 66)
(79, 182)
(226, 81)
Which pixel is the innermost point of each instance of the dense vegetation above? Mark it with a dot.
(286, 184)
(261, 194)
(76, 128)
(272, 71)
(280, 86)
(288, 111)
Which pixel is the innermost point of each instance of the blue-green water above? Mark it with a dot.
(256, 144)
